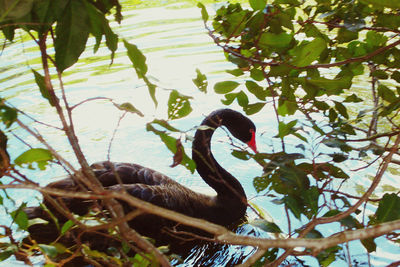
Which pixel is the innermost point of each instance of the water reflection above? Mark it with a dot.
(213, 254)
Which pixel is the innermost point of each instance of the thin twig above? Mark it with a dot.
(114, 133)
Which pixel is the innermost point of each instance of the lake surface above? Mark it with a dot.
(176, 44)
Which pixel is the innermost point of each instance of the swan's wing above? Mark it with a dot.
(172, 196)
(108, 172)
(129, 173)
(163, 196)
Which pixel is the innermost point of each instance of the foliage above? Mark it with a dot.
(282, 50)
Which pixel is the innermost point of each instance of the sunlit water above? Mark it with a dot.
(175, 44)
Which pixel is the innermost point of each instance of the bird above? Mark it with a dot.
(226, 207)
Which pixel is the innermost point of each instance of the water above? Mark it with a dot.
(176, 44)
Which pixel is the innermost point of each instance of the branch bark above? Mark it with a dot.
(221, 234)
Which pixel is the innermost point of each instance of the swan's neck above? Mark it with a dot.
(228, 188)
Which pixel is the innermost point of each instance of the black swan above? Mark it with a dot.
(228, 206)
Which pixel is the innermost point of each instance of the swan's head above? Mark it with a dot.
(240, 126)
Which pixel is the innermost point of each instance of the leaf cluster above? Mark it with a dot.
(71, 22)
(304, 61)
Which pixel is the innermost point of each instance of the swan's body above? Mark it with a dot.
(228, 206)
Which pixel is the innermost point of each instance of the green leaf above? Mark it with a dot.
(345, 35)
(382, 3)
(293, 206)
(9, 32)
(261, 183)
(396, 76)
(129, 107)
(286, 18)
(331, 213)
(166, 125)
(312, 31)
(388, 208)
(229, 98)
(49, 250)
(338, 157)
(20, 217)
(279, 70)
(72, 32)
(311, 199)
(332, 115)
(375, 39)
(201, 81)
(256, 90)
(269, 227)
(14, 9)
(99, 25)
(235, 72)
(321, 105)
(335, 171)
(67, 225)
(390, 108)
(353, 98)
(290, 2)
(7, 114)
(380, 74)
(48, 12)
(331, 86)
(341, 109)
(137, 58)
(257, 74)
(6, 254)
(386, 93)
(286, 129)
(144, 260)
(258, 4)
(314, 234)
(236, 22)
(39, 155)
(350, 222)
(307, 53)
(327, 256)
(369, 244)
(111, 38)
(294, 178)
(253, 108)
(42, 87)
(242, 99)
(170, 142)
(43, 10)
(225, 87)
(204, 14)
(152, 89)
(139, 64)
(337, 143)
(280, 40)
(240, 154)
(287, 108)
(178, 105)
(96, 20)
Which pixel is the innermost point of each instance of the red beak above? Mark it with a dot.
(252, 143)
